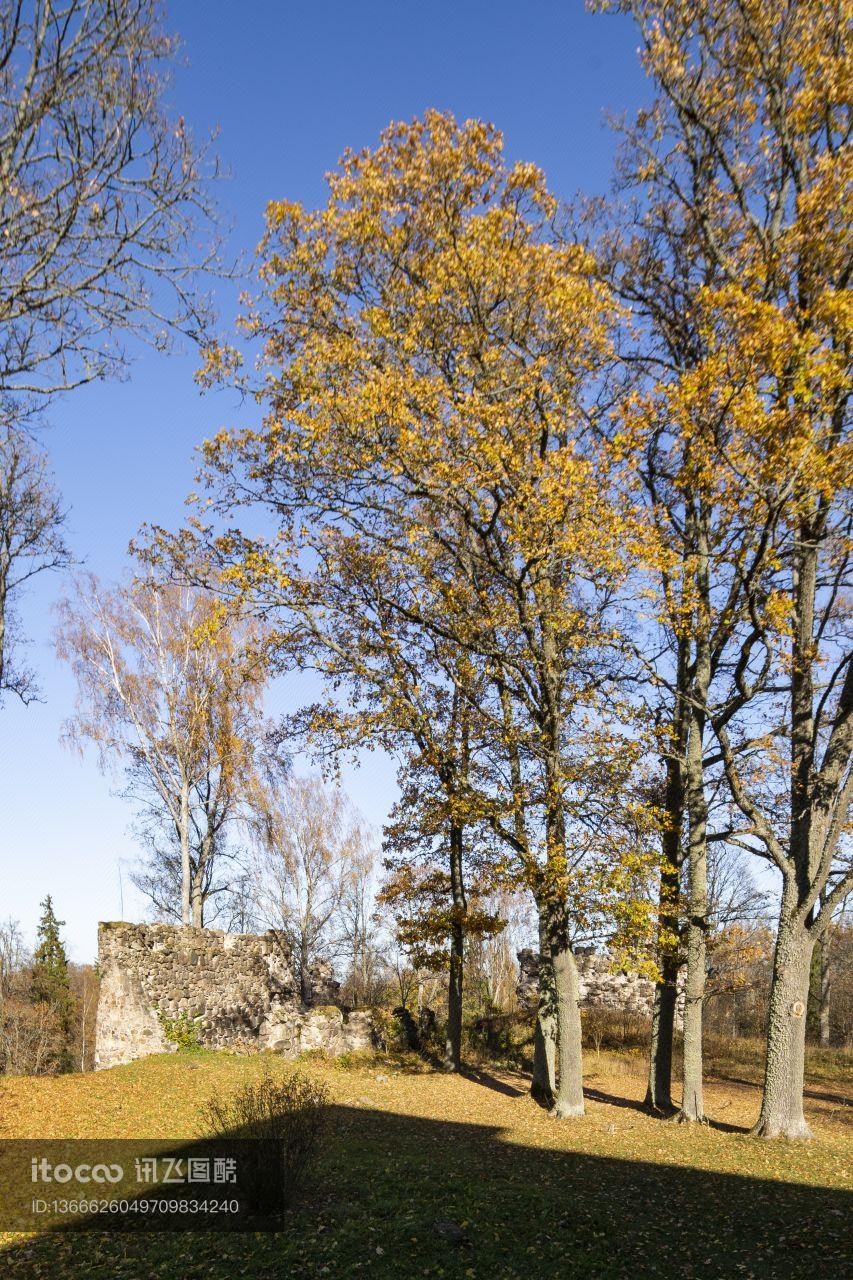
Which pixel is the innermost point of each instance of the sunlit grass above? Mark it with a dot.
(429, 1174)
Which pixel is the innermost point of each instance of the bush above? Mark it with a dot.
(389, 1032)
(604, 1027)
(181, 1031)
(491, 1038)
(32, 1042)
(291, 1111)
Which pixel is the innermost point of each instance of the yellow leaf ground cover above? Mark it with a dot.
(425, 1174)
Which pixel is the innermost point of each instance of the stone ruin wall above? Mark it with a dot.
(600, 985)
(241, 993)
(239, 989)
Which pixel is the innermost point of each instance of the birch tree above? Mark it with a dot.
(313, 854)
(170, 694)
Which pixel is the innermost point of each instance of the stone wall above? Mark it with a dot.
(235, 990)
(600, 985)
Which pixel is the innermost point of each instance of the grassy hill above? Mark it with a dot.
(425, 1174)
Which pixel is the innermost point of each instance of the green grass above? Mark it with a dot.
(428, 1175)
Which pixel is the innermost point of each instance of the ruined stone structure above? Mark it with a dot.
(600, 985)
(234, 991)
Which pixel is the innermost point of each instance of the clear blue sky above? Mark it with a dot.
(289, 85)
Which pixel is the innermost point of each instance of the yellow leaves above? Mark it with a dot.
(280, 213)
(219, 362)
(778, 612)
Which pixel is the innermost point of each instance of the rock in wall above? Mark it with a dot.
(235, 990)
(599, 984)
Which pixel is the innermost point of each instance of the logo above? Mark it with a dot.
(44, 1171)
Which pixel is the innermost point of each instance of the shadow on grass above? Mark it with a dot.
(478, 1076)
(399, 1197)
(816, 1095)
(613, 1100)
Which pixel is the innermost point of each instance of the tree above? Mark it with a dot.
(13, 956)
(313, 855)
(748, 141)
(412, 694)
(433, 360)
(104, 211)
(170, 691)
(50, 984)
(439, 862)
(363, 944)
(103, 194)
(31, 542)
(85, 986)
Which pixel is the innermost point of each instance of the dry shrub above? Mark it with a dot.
(605, 1027)
(390, 1032)
(31, 1038)
(291, 1111)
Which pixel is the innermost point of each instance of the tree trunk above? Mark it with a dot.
(782, 1102)
(692, 1101)
(197, 904)
(825, 990)
(186, 870)
(542, 1086)
(304, 975)
(205, 853)
(659, 1089)
(453, 1045)
(782, 1099)
(568, 1096)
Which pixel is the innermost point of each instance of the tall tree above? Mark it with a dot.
(50, 983)
(433, 360)
(102, 194)
(749, 139)
(106, 229)
(170, 691)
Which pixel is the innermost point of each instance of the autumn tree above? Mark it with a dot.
(746, 153)
(170, 688)
(313, 855)
(432, 362)
(395, 682)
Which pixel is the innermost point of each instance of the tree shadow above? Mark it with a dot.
(400, 1196)
(815, 1095)
(478, 1076)
(613, 1100)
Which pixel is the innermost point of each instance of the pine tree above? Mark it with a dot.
(50, 981)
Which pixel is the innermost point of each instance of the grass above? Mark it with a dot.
(431, 1175)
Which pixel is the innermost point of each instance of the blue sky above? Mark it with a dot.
(289, 85)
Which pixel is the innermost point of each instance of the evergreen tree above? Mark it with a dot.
(50, 981)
